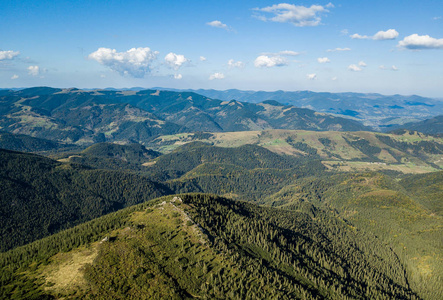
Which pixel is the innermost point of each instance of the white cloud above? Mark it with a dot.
(9, 54)
(389, 34)
(354, 68)
(216, 76)
(178, 76)
(344, 32)
(270, 61)
(383, 67)
(298, 15)
(202, 58)
(135, 62)
(330, 5)
(311, 76)
(235, 64)
(33, 70)
(218, 24)
(15, 76)
(362, 64)
(338, 50)
(102, 76)
(334, 78)
(359, 37)
(288, 53)
(419, 42)
(436, 18)
(175, 61)
(281, 53)
(323, 60)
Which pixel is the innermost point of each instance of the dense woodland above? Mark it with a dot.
(237, 251)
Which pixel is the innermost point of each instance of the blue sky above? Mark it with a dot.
(387, 47)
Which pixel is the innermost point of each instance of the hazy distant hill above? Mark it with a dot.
(374, 110)
(85, 117)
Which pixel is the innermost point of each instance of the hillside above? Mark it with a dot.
(40, 196)
(112, 156)
(429, 126)
(408, 152)
(202, 246)
(381, 112)
(87, 117)
(405, 214)
(26, 143)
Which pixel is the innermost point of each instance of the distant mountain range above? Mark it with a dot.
(84, 117)
(381, 112)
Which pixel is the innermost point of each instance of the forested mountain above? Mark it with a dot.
(375, 110)
(429, 126)
(86, 117)
(40, 196)
(113, 156)
(202, 246)
(26, 143)
(405, 214)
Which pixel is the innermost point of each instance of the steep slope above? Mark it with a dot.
(401, 214)
(202, 246)
(40, 196)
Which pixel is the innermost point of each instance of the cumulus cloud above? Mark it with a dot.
(33, 70)
(323, 60)
(389, 34)
(394, 68)
(338, 50)
(175, 61)
(235, 64)
(334, 78)
(354, 68)
(178, 76)
(9, 54)
(420, 42)
(218, 24)
(15, 76)
(382, 67)
(311, 76)
(298, 15)
(202, 58)
(216, 76)
(270, 61)
(135, 62)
